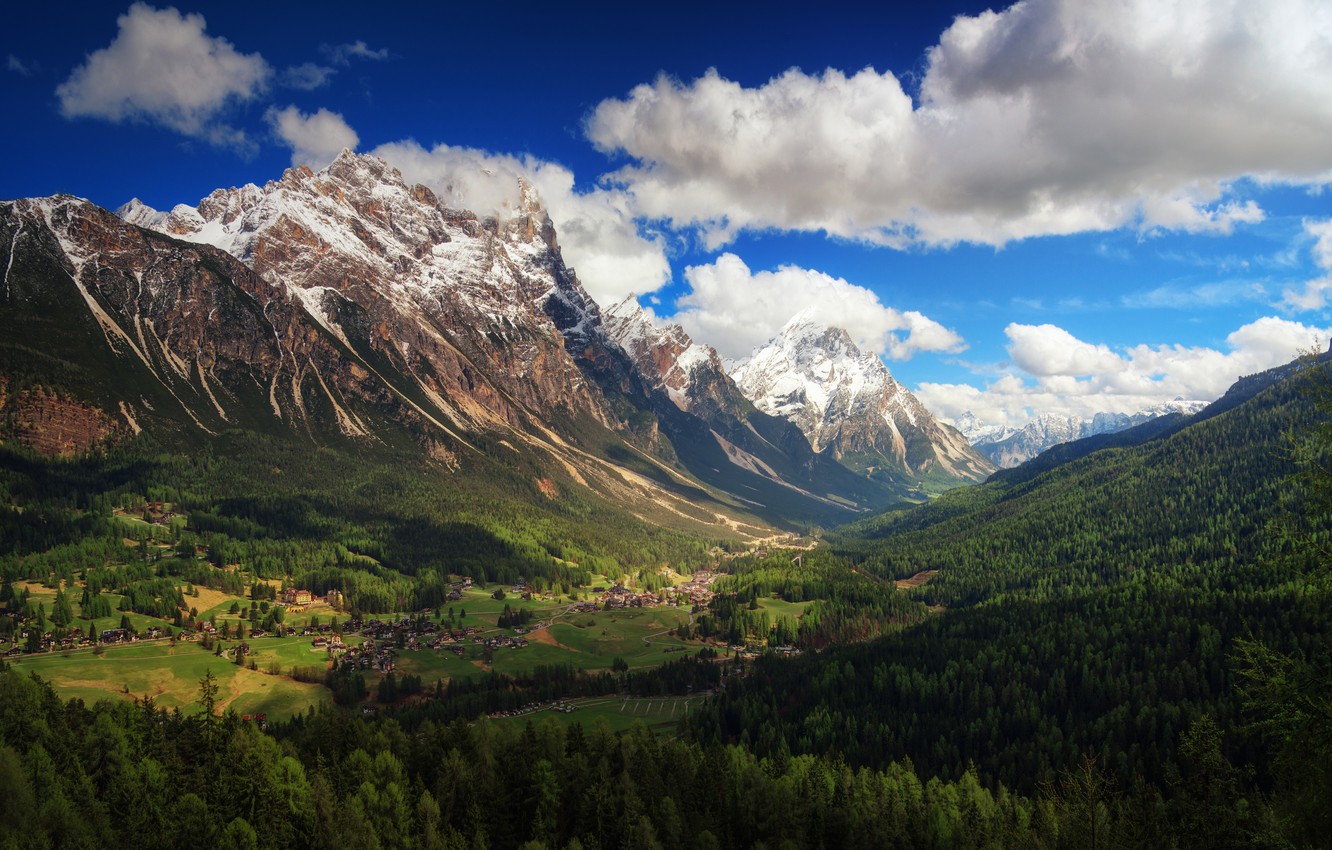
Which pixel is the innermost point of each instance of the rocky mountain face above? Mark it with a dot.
(691, 375)
(53, 425)
(694, 395)
(348, 305)
(454, 304)
(1010, 447)
(977, 431)
(850, 407)
(665, 356)
(154, 333)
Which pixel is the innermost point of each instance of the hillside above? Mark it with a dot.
(1199, 493)
(1096, 607)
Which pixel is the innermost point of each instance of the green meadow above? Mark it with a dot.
(170, 675)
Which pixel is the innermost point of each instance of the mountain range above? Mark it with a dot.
(1011, 447)
(346, 306)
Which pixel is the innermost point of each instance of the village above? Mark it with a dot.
(286, 644)
(381, 639)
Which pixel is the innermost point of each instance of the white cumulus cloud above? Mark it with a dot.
(1050, 350)
(316, 139)
(1313, 296)
(1055, 372)
(597, 231)
(735, 310)
(1050, 117)
(163, 68)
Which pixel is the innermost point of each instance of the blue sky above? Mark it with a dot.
(1058, 206)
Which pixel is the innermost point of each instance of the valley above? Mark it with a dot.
(361, 503)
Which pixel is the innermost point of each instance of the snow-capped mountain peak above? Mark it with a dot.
(977, 431)
(846, 402)
(441, 284)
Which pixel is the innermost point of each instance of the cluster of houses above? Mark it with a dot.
(157, 512)
(421, 633)
(411, 630)
(368, 656)
(523, 590)
(48, 643)
(80, 640)
(332, 645)
(501, 642)
(456, 589)
(556, 705)
(453, 638)
(753, 649)
(620, 596)
(698, 590)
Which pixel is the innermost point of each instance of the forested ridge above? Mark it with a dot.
(1025, 688)
(1202, 496)
(1106, 608)
(119, 774)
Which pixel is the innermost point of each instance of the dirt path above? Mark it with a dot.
(646, 640)
(236, 691)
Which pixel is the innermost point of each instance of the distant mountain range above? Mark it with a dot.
(1008, 447)
(346, 306)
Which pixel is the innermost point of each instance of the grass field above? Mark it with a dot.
(483, 609)
(135, 524)
(170, 675)
(637, 635)
(611, 634)
(433, 665)
(781, 608)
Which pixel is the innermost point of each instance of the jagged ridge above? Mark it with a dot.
(345, 304)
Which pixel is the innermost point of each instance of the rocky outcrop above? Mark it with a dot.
(54, 425)
(666, 357)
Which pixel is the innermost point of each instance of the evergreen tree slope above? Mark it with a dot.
(1200, 495)
(1098, 609)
